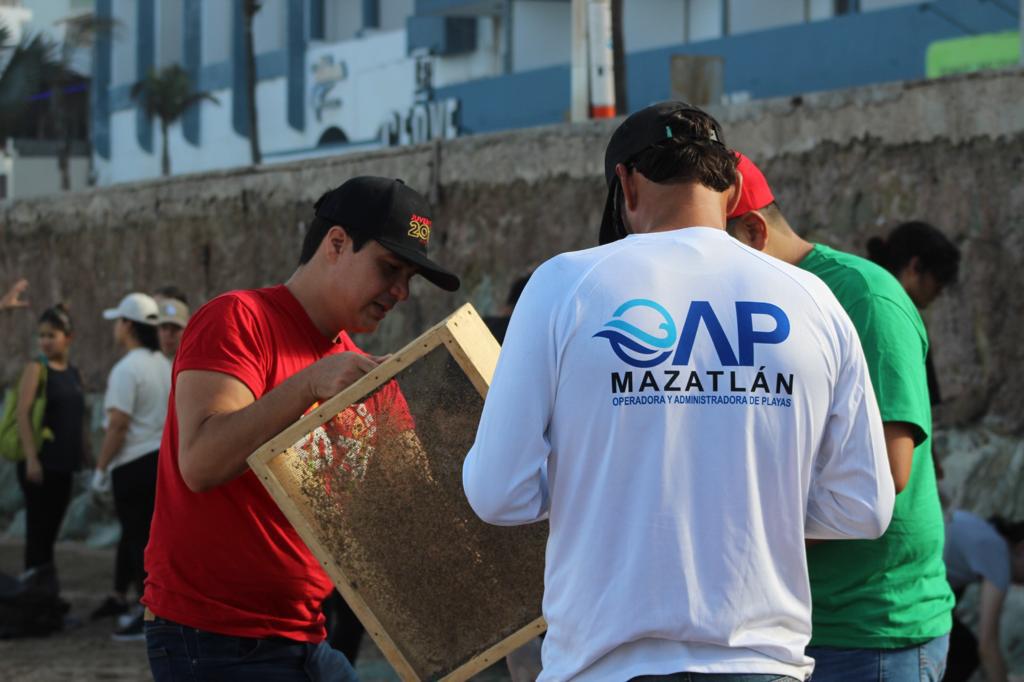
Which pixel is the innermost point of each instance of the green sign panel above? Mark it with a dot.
(973, 53)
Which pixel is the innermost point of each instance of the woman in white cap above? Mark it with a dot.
(136, 407)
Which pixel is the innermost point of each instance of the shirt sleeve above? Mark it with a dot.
(121, 389)
(852, 493)
(225, 336)
(989, 557)
(895, 352)
(505, 472)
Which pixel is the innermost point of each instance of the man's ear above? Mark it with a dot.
(334, 243)
(628, 183)
(734, 194)
(755, 230)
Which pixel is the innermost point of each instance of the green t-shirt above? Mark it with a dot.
(890, 592)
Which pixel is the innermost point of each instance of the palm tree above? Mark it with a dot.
(79, 33)
(249, 10)
(168, 94)
(25, 69)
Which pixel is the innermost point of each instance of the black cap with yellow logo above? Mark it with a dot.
(391, 213)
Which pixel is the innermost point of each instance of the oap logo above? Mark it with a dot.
(640, 347)
(625, 336)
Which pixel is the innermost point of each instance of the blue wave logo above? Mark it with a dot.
(634, 345)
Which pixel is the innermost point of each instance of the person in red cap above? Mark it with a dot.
(232, 592)
(882, 608)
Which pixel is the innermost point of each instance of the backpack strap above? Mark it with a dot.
(44, 366)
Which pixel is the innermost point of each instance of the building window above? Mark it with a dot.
(746, 16)
(270, 26)
(3, 186)
(703, 20)
(216, 32)
(343, 19)
(169, 33)
(653, 24)
(869, 5)
(393, 13)
(125, 35)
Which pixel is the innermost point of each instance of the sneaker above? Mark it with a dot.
(126, 618)
(134, 632)
(112, 606)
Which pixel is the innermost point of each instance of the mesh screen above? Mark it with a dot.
(381, 485)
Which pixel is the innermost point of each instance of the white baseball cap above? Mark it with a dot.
(172, 311)
(135, 307)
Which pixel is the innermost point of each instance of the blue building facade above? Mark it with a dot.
(496, 64)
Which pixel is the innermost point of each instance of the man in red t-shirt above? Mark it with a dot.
(232, 591)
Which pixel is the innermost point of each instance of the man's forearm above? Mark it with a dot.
(992, 661)
(113, 441)
(223, 442)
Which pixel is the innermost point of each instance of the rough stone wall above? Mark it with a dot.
(845, 166)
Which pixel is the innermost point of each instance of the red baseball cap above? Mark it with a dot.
(756, 194)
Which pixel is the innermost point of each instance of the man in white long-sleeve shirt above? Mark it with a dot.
(685, 411)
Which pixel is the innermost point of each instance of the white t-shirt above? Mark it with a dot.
(139, 385)
(686, 411)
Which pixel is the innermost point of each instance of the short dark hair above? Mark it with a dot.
(1012, 531)
(317, 230)
(57, 317)
(691, 156)
(172, 291)
(145, 334)
(935, 253)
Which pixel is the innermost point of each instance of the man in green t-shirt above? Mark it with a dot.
(881, 608)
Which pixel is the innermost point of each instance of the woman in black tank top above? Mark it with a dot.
(46, 473)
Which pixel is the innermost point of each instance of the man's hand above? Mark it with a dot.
(220, 422)
(100, 483)
(333, 374)
(12, 299)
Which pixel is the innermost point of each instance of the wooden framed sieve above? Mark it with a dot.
(372, 481)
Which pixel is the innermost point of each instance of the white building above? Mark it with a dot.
(335, 75)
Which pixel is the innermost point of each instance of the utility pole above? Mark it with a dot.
(592, 72)
(579, 80)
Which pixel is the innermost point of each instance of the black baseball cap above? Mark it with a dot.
(641, 130)
(391, 213)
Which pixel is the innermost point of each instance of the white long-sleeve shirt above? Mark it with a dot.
(686, 411)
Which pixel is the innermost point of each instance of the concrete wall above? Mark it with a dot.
(844, 165)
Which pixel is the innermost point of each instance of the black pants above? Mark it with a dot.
(134, 487)
(45, 505)
(344, 631)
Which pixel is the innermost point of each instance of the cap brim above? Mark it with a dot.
(111, 314)
(431, 271)
(171, 320)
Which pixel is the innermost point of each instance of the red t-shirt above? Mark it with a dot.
(227, 560)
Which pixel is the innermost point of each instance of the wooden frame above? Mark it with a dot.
(467, 339)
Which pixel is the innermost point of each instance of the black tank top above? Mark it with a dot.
(65, 414)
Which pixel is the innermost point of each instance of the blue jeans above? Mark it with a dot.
(922, 663)
(714, 677)
(178, 653)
